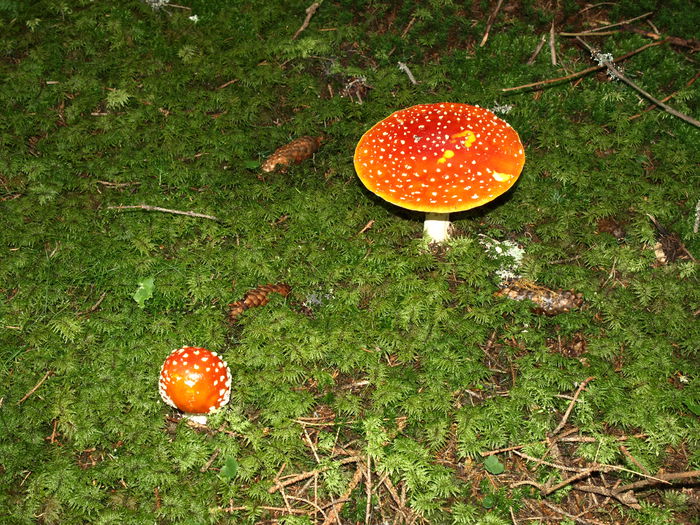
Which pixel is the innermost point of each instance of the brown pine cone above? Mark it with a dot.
(296, 151)
(258, 296)
(548, 302)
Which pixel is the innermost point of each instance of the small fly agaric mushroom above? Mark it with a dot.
(440, 159)
(195, 381)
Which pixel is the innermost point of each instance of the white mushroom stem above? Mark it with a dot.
(200, 419)
(437, 227)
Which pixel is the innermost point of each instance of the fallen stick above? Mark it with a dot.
(596, 31)
(489, 23)
(537, 50)
(334, 513)
(673, 476)
(211, 460)
(584, 72)
(310, 11)
(562, 512)
(552, 49)
(305, 475)
(665, 99)
(35, 387)
(164, 210)
(616, 73)
(563, 421)
(94, 306)
(117, 184)
(627, 498)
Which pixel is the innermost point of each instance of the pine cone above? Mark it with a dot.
(549, 302)
(258, 296)
(296, 151)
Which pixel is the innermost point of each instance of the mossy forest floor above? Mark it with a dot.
(395, 382)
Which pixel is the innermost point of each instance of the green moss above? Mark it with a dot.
(110, 105)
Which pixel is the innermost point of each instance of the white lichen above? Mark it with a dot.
(509, 252)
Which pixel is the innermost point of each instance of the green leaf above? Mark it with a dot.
(493, 466)
(230, 468)
(144, 292)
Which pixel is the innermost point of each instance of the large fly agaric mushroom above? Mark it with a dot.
(440, 159)
(195, 381)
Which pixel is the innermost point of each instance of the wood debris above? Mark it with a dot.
(548, 302)
(296, 151)
(668, 247)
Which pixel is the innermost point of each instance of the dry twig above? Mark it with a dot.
(489, 23)
(663, 478)
(537, 50)
(338, 505)
(563, 421)
(281, 483)
(310, 11)
(552, 49)
(211, 460)
(583, 72)
(665, 99)
(615, 73)
(35, 387)
(164, 210)
(95, 306)
(597, 31)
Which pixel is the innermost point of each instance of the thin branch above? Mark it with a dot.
(584, 71)
(95, 306)
(617, 74)
(366, 227)
(563, 421)
(368, 490)
(489, 23)
(596, 31)
(673, 476)
(552, 49)
(537, 50)
(164, 210)
(227, 84)
(626, 498)
(507, 449)
(576, 477)
(666, 98)
(314, 505)
(554, 465)
(408, 27)
(211, 460)
(562, 512)
(338, 505)
(634, 460)
(310, 11)
(35, 387)
(117, 184)
(305, 475)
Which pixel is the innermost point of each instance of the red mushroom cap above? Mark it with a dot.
(195, 380)
(440, 158)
